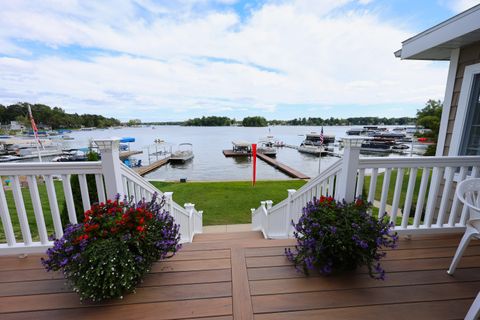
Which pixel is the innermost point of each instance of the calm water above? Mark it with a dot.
(209, 162)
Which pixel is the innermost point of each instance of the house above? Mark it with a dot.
(456, 40)
(13, 126)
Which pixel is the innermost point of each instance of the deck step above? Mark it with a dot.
(226, 236)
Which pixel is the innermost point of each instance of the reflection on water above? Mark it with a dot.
(209, 162)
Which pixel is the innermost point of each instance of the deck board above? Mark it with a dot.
(243, 276)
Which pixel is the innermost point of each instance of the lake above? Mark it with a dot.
(209, 163)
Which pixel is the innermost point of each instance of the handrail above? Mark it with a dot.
(332, 169)
(50, 168)
(416, 162)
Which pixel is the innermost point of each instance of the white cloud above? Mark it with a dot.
(458, 6)
(286, 52)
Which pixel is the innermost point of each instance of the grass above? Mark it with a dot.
(228, 202)
(42, 190)
(391, 190)
(222, 202)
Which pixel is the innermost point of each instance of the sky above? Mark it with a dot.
(169, 60)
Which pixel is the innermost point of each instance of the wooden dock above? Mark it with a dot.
(282, 167)
(153, 166)
(126, 154)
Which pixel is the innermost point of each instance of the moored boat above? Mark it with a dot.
(183, 154)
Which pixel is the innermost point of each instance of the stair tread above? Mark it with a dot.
(227, 236)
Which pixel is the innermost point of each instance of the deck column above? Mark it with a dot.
(345, 186)
(111, 166)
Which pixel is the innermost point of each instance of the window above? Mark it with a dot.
(470, 142)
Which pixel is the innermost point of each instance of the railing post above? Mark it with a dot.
(288, 220)
(168, 202)
(111, 166)
(269, 204)
(191, 225)
(345, 187)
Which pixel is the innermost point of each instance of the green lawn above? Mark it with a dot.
(228, 202)
(222, 202)
(42, 190)
(391, 190)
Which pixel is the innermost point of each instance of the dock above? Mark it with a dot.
(282, 167)
(126, 154)
(151, 167)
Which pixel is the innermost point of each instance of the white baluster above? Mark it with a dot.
(37, 209)
(84, 192)
(125, 186)
(437, 177)
(421, 197)
(447, 190)
(396, 195)
(373, 185)
(454, 210)
(409, 197)
(67, 191)
(100, 188)
(131, 190)
(360, 182)
(384, 196)
(330, 186)
(22, 213)
(52, 200)
(5, 216)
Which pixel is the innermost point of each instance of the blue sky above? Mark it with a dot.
(173, 60)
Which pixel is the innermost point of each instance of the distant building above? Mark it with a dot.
(13, 126)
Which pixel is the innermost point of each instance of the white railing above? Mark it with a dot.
(418, 194)
(275, 222)
(420, 200)
(26, 212)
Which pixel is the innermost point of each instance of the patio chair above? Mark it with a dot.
(474, 311)
(468, 192)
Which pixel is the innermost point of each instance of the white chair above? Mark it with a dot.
(474, 311)
(468, 192)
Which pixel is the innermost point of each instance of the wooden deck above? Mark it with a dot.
(241, 276)
(282, 167)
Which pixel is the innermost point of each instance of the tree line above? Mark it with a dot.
(262, 122)
(54, 117)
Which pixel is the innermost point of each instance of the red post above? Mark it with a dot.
(254, 155)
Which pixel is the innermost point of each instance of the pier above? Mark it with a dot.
(282, 167)
(151, 167)
(126, 154)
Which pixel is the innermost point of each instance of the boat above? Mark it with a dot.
(314, 138)
(310, 148)
(183, 154)
(9, 158)
(71, 155)
(356, 131)
(266, 147)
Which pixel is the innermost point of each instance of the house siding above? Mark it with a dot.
(468, 55)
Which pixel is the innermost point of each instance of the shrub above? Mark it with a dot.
(108, 253)
(337, 236)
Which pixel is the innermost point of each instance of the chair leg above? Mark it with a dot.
(469, 233)
(474, 311)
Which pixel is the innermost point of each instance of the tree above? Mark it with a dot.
(430, 117)
(255, 122)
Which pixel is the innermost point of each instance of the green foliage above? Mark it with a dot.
(430, 117)
(134, 122)
(254, 122)
(108, 253)
(55, 117)
(212, 121)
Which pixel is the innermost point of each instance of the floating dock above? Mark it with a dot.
(151, 167)
(126, 154)
(282, 167)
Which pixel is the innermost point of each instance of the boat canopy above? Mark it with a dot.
(241, 143)
(127, 139)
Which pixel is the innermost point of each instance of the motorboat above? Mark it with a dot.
(314, 138)
(310, 148)
(183, 154)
